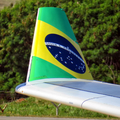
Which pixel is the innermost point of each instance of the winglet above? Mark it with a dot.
(55, 51)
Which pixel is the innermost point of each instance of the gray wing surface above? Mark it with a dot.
(91, 86)
(91, 95)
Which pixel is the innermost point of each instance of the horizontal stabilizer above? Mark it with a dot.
(92, 95)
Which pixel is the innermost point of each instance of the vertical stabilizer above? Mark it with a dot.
(55, 51)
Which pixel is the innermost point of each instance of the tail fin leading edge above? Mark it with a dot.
(55, 51)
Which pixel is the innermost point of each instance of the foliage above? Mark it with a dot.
(96, 25)
(100, 42)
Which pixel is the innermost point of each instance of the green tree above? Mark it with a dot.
(96, 25)
(100, 40)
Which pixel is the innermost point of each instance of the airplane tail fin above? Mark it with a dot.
(55, 51)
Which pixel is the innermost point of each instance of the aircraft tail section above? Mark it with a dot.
(57, 68)
(55, 51)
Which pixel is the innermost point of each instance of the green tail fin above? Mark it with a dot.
(55, 51)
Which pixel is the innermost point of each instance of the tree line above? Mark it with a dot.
(96, 25)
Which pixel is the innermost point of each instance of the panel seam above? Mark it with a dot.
(90, 99)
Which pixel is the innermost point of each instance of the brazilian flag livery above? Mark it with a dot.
(55, 51)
